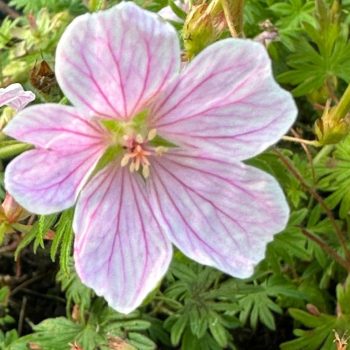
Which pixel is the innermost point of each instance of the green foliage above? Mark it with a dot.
(100, 324)
(5, 31)
(292, 13)
(321, 326)
(335, 178)
(201, 319)
(76, 7)
(258, 307)
(63, 239)
(321, 55)
(6, 338)
(76, 292)
(5, 318)
(37, 233)
(27, 40)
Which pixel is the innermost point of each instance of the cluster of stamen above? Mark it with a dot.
(137, 153)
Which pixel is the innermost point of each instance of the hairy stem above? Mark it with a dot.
(328, 249)
(229, 18)
(302, 141)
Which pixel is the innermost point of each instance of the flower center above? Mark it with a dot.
(137, 153)
(134, 143)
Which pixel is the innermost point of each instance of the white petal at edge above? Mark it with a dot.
(45, 182)
(56, 127)
(119, 251)
(15, 96)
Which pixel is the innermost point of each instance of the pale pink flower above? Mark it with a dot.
(120, 69)
(15, 97)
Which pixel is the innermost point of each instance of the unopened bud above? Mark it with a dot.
(330, 129)
(204, 25)
(313, 310)
(50, 235)
(268, 35)
(76, 313)
(11, 209)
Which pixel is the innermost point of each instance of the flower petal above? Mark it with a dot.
(112, 62)
(226, 101)
(168, 14)
(44, 182)
(120, 250)
(55, 127)
(15, 97)
(218, 213)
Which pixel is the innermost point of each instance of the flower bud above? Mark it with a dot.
(269, 33)
(313, 310)
(11, 209)
(204, 25)
(330, 129)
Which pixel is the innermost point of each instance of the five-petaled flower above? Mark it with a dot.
(151, 155)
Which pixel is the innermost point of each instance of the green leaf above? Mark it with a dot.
(258, 307)
(179, 12)
(219, 333)
(37, 233)
(76, 292)
(177, 329)
(198, 321)
(319, 56)
(141, 342)
(51, 334)
(320, 336)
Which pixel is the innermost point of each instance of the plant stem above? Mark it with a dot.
(239, 15)
(340, 234)
(229, 18)
(322, 153)
(298, 140)
(308, 156)
(328, 249)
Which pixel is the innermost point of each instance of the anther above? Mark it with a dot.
(152, 134)
(139, 138)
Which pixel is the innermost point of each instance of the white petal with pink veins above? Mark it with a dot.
(168, 14)
(56, 127)
(15, 97)
(44, 182)
(113, 62)
(225, 102)
(120, 250)
(219, 213)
